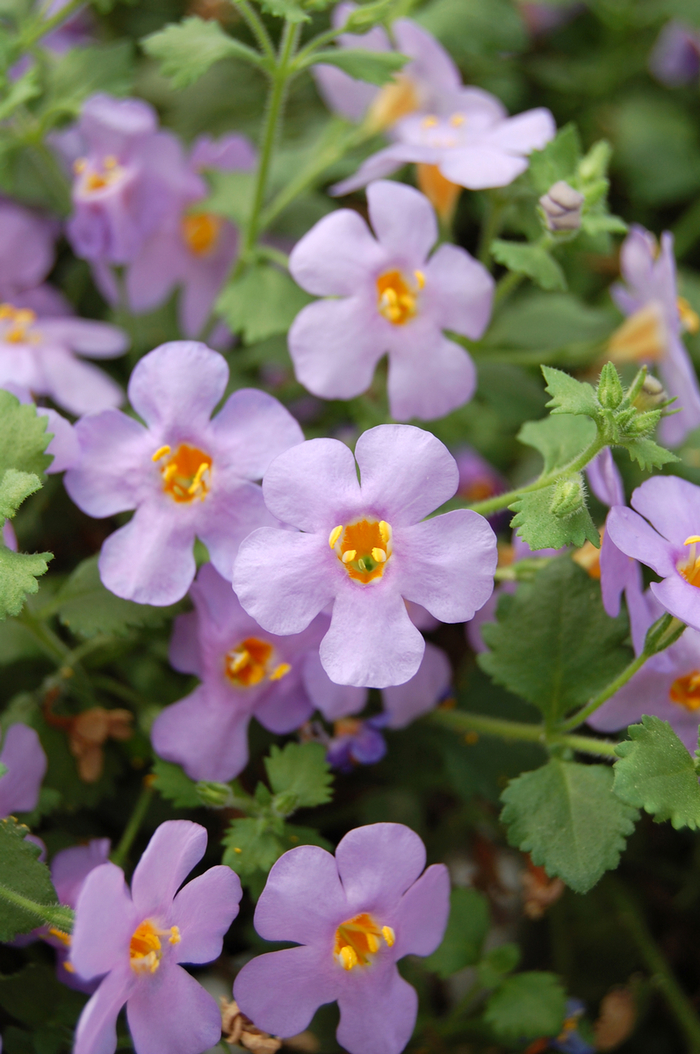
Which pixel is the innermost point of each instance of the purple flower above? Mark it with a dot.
(9, 537)
(652, 332)
(667, 686)
(667, 543)
(63, 446)
(244, 671)
(189, 248)
(357, 742)
(27, 248)
(25, 761)
(185, 475)
(41, 355)
(362, 549)
(353, 918)
(128, 177)
(474, 144)
(478, 479)
(69, 869)
(385, 295)
(136, 943)
(675, 58)
(421, 86)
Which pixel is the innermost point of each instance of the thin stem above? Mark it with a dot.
(256, 26)
(314, 44)
(121, 853)
(661, 975)
(490, 228)
(507, 285)
(49, 641)
(43, 25)
(465, 721)
(51, 914)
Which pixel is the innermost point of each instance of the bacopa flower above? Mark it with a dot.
(362, 549)
(136, 943)
(63, 446)
(387, 296)
(185, 475)
(244, 672)
(668, 542)
(656, 318)
(354, 917)
(27, 251)
(356, 742)
(675, 57)
(474, 145)
(23, 756)
(191, 247)
(69, 869)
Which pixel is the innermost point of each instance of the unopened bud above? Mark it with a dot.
(610, 391)
(595, 163)
(216, 795)
(567, 499)
(651, 394)
(562, 207)
(644, 423)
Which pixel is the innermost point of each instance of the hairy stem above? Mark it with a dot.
(50, 914)
(120, 854)
(257, 27)
(464, 721)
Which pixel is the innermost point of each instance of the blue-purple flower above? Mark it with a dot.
(25, 761)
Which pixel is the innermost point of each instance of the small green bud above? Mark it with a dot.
(285, 802)
(610, 391)
(568, 498)
(644, 423)
(363, 18)
(216, 795)
(595, 164)
(651, 394)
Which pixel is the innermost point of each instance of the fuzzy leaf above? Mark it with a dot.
(559, 439)
(175, 786)
(18, 577)
(569, 396)
(21, 872)
(186, 50)
(300, 772)
(656, 773)
(557, 160)
(251, 846)
(81, 72)
(649, 454)
(527, 1006)
(87, 607)
(567, 817)
(23, 437)
(554, 645)
(541, 529)
(497, 964)
(14, 488)
(263, 302)
(289, 9)
(530, 260)
(466, 931)
(375, 67)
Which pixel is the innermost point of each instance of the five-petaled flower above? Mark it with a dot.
(363, 549)
(385, 295)
(136, 944)
(185, 475)
(353, 918)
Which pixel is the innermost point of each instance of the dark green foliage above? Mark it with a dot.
(656, 773)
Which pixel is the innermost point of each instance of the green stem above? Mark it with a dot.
(464, 721)
(507, 285)
(661, 975)
(490, 228)
(257, 27)
(121, 853)
(51, 914)
(502, 501)
(49, 641)
(42, 25)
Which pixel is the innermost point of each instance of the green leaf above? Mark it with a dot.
(558, 439)
(186, 50)
(87, 608)
(231, 195)
(23, 437)
(289, 9)
(81, 72)
(601, 222)
(558, 160)
(301, 773)
(537, 525)
(531, 260)
(569, 396)
(527, 1006)
(499, 962)
(21, 873)
(567, 817)
(21, 92)
(175, 786)
(251, 846)
(554, 645)
(263, 302)
(465, 934)
(58, 1004)
(376, 67)
(18, 577)
(649, 454)
(14, 488)
(656, 773)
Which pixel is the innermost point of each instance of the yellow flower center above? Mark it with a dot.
(145, 951)
(640, 338)
(363, 547)
(690, 568)
(686, 691)
(358, 939)
(440, 192)
(588, 557)
(250, 662)
(98, 177)
(396, 100)
(397, 300)
(186, 473)
(201, 232)
(16, 325)
(690, 321)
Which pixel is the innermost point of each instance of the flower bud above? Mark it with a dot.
(644, 423)
(610, 391)
(651, 394)
(562, 207)
(568, 498)
(595, 163)
(216, 795)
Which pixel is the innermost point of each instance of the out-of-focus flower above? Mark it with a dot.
(63, 446)
(190, 248)
(9, 537)
(25, 761)
(385, 295)
(675, 57)
(617, 1018)
(478, 479)
(541, 18)
(667, 543)
(185, 475)
(363, 549)
(474, 145)
(89, 731)
(27, 248)
(238, 1030)
(656, 318)
(561, 206)
(244, 671)
(136, 943)
(356, 742)
(569, 1040)
(41, 355)
(69, 869)
(354, 917)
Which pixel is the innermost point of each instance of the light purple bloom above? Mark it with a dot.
(354, 917)
(27, 248)
(356, 742)
(667, 543)
(69, 869)
(189, 248)
(675, 58)
(362, 549)
(474, 145)
(478, 479)
(77, 30)
(667, 686)
(25, 760)
(244, 671)
(41, 355)
(652, 332)
(136, 943)
(63, 446)
(185, 474)
(386, 296)
(422, 85)
(9, 537)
